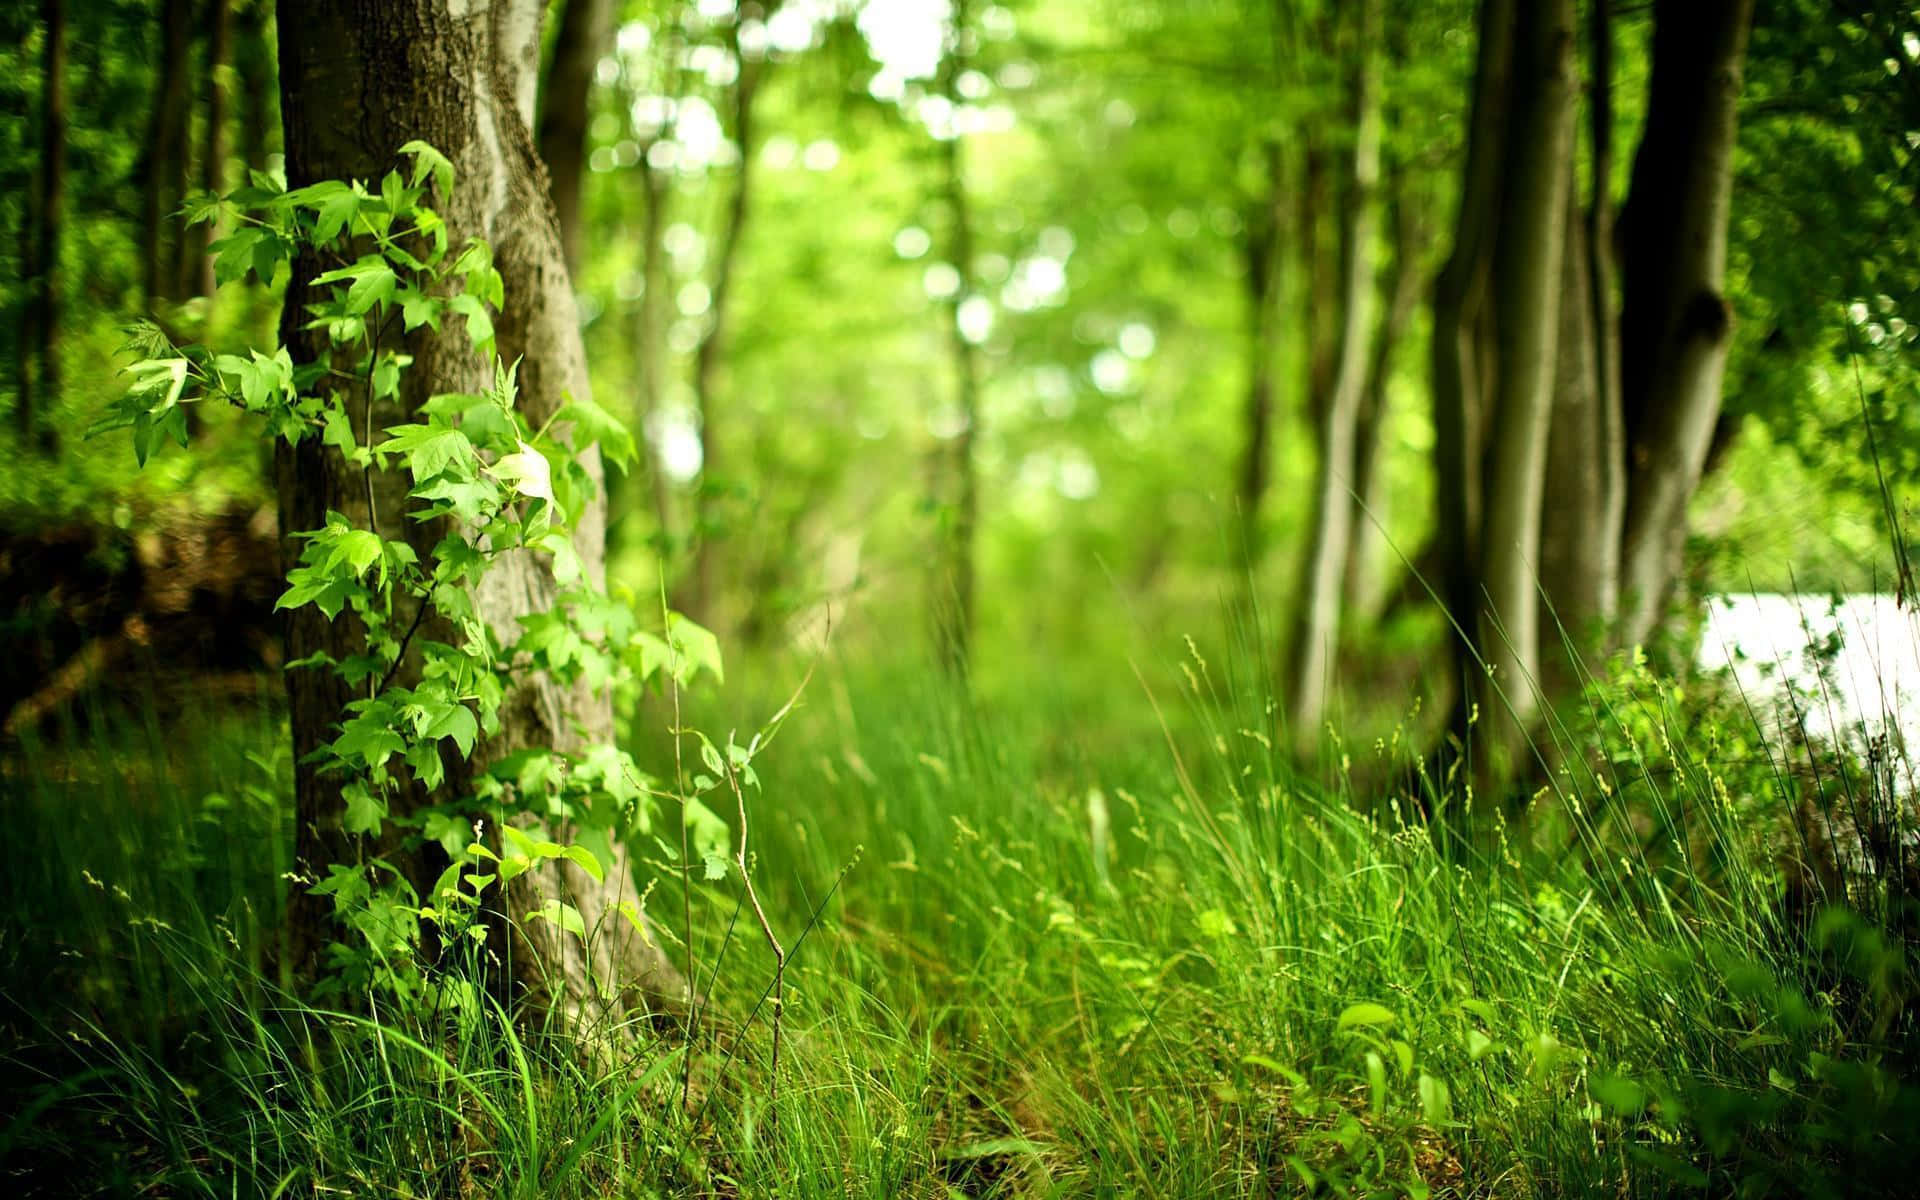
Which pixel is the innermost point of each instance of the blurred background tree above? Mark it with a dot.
(1027, 336)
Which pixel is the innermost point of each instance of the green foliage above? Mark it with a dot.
(487, 484)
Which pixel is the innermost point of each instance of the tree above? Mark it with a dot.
(358, 80)
(585, 26)
(1331, 538)
(710, 354)
(213, 167)
(40, 352)
(1536, 396)
(167, 152)
(959, 483)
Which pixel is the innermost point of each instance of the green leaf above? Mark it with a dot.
(371, 288)
(429, 449)
(457, 722)
(335, 213)
(417, 308)
(1367, 1014)
(1622, 1096)
(566, 916)
(427, 159)
(479, 324)
(366, 812)
(595, 426)
(586, 860)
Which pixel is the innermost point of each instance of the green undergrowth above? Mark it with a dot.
(1025, 964)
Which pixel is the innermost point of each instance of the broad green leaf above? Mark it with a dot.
(566, 916)
(1365, 1013)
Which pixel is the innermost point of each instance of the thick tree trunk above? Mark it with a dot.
(1675, 326)
(1526, 288)
(358, 79)
(213, 169)
(166, 152)
(45, 223)
(1317, 636)
(585, 27)
(710, 354)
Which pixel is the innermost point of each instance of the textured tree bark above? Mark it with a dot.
(585, 27)
(213, 169)
(710, 354)
(165, 171)
(1317, 635)
(1526, 303)
(358, 79)
(45, 223)
(1675, 325)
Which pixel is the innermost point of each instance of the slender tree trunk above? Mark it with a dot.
(1583, 502)
(166, 153)
(1261, 249)
(214, 166)
(1675, 326)
(565, 95)
(709, 355)
(1365, 558)
(254, 76)
(1317, 636)
(45, 223)
(1459, 303)
(1526, 287)
(359, 78)
(953, 601)
(650, 343)
(1317, 228)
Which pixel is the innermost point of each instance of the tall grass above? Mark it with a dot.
(1157, 964)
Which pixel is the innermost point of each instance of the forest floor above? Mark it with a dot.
(1034, 955)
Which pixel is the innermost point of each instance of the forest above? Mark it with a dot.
(959, 598)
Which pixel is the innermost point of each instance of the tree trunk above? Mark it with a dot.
(358, 79)
(1316, 641)
(1365, 558)
(1261, 249)
(711, 351)
(1675, 326)
(254, 76)
(214, 167)
(953, 600)
(1459, 302)
(1583, 503)
(585, 27)
(1526, 314)
(40, 354)
(650, 344)
(166, 153)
